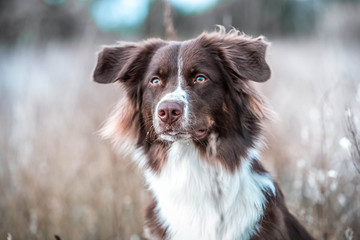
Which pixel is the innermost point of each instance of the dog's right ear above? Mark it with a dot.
(124, 61)
(110, 62)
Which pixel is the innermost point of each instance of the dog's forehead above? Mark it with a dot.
(167, 54)
(177, 59)
(173, 52)
(193, 52)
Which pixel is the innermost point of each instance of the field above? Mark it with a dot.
(58, 177)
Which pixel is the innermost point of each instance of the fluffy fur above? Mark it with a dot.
(192, 121)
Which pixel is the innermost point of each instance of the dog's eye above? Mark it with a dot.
(155, 81)
(200, 79)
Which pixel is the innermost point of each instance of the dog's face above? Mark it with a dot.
(181, 91)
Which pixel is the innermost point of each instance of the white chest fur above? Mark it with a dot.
(205, 202)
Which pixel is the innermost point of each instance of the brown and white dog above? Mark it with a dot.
(191, 119)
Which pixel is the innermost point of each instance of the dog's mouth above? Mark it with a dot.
(199, 133)
(173, 134)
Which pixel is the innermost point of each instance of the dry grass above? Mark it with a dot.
(58, 177)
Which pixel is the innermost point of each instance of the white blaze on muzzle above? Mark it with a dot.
(180, 96)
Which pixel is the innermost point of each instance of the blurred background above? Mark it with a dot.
(57, 177)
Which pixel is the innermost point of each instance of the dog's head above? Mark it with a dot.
(187, 91)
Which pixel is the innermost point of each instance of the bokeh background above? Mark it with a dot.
(57, 177)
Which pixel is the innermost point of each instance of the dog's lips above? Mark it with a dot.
(174, 135)
(200, 132)
(181, 134)
(172, 132)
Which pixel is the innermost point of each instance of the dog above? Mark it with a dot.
(192, 120)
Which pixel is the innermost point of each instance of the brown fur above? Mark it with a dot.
(226, 105)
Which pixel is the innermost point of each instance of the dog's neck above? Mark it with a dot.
(195, 195)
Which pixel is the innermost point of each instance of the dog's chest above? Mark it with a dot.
(198, 200)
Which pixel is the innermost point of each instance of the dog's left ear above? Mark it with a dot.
(246, 57)
(243, 57)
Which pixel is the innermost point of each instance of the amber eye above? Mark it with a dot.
(155, 81)
(200, 79)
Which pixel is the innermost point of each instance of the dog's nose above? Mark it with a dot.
(170, 112)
